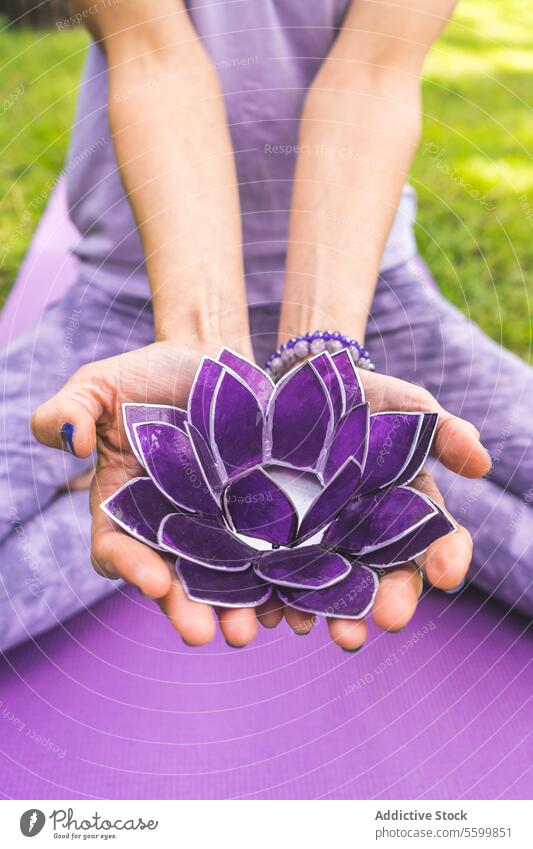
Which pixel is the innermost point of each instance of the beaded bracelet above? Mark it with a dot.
(300, 347)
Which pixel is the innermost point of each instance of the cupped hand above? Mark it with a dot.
(445, 563)
(91, 401)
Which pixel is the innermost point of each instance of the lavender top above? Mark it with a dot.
(266, 53)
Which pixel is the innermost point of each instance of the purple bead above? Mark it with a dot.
(301, 349)
(317, 346)
(288, 356)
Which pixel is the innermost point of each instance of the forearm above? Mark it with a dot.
(175, 157)
(357, 142)
(359, 131)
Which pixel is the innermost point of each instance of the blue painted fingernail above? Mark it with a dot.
(352, 651)
(67, 437)
(456, 589)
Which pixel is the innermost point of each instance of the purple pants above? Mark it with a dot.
(413, 334)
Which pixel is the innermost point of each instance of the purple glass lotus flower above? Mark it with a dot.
(294, 486)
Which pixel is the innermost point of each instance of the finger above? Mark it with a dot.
(116, 555)
(424, 482)
(456, 443)
(67, 421)
(397, 597)
(447, 560)
(459, 449)
(238, 625)
(270, 613)
(300, 622)
(194, 622)
(349, 634)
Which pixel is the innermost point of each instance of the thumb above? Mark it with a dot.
(68, 420)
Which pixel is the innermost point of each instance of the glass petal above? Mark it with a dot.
(378, 520)
(258, 507)
(350, 598)
(300, 419)
(139, 508)
(309, 566)
(223, 589)
(205, 541)
(167, 455)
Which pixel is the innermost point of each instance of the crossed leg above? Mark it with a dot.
(415, 334)
(45, 572)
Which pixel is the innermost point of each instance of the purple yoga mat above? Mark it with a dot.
(125, 710)
(113, 705)
(47, 271)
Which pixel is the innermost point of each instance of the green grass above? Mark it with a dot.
(474, 172)
(39, 74)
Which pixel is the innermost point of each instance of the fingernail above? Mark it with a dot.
(67, 437)
(305, 628)
(456, 589)
(232, 646)
(491, 464)
(352, 651)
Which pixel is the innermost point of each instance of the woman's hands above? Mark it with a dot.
(163, 372)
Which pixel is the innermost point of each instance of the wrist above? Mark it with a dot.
(325, 287)
(204, 331)
(337, 310)
(202, 308)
